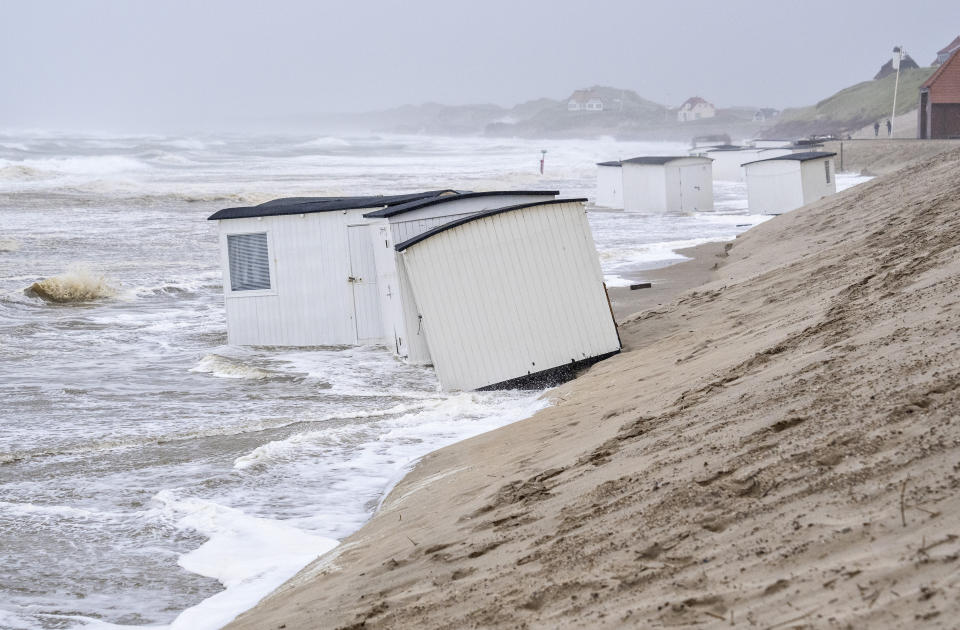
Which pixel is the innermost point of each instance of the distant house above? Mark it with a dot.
(765, 113)
(905, 64)
(939, 111)
(695, 108)
(585, 101)
(946, 51)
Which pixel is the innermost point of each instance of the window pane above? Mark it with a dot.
(249, 261)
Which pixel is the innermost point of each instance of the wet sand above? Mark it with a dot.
(776, 448)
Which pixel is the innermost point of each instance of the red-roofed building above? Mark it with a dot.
(939, 112)
(695, 108)
(945, 53)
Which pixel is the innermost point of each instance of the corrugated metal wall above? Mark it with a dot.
(511, 294)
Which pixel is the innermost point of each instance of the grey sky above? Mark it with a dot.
(85, 64)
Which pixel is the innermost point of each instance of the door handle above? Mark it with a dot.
(352, 279)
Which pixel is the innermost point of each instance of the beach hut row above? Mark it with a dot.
(778, 178)
(495, 289)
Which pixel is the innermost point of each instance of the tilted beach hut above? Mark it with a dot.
(402, 221)
(667, 184)
(787, 182)
(609, 185)
(316, 271)
(511, 297)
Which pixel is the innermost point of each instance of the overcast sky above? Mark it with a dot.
(77, 64)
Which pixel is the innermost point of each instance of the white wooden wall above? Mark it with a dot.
(609, 187)
(511, 294)
(774, 186)
(815, 184)
(689, 186)
(644, 188)
(310, 301)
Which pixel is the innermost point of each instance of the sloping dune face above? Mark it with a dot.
(784, 451)
(79, 284)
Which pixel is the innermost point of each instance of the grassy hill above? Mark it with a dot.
(853, 107)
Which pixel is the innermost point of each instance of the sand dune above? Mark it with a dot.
(778, 448)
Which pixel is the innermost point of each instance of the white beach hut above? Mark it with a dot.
(609, 185)
(790, 181)
(728, 159)
(402, 221)
(318, 272)
(511, 297)
(667, 184)
(771, 143)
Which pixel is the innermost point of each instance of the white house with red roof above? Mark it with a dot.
(695, 108)
(585, 101)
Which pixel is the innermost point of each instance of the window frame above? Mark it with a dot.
(271, 261)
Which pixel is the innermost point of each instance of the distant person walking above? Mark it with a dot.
(889, 128)
(876, 129)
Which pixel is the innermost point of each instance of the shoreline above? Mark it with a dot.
(741, 459)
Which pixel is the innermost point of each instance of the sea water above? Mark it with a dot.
(152, 475)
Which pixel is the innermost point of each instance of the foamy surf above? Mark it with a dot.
(249, 556)
(78, 284)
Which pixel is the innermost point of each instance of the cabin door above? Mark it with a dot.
(363, 279)
(695, 193)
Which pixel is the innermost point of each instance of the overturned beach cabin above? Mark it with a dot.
(787, 182)
(322, 271)
(609, 185)
(667, 184)
(511, 297)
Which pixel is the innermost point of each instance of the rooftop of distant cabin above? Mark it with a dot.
(727, 147)
(797, 157)
(306, 205)
(660, 160)
(416, 204)
(480, 215)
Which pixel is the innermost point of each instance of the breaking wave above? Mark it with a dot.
(78, 284)
(9, 245)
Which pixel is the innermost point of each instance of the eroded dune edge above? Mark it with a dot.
(777, 448)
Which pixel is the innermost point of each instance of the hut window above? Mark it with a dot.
(826, 168)
(249, 261)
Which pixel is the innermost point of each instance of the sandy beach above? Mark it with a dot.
(777, 448)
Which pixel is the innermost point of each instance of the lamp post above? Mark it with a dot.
(897, 58)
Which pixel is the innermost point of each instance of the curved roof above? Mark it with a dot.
(659, 160)
(796, 157)
(305, 205)
(613, 163)
(480, 215)
(416, 204)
